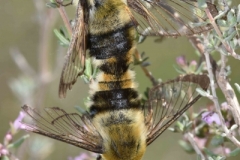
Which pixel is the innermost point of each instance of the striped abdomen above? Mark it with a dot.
(115, 106)
(111, 44)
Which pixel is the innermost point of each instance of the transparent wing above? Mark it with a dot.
(69, 128)
(169, 17)
(168, 101)
(75, 60)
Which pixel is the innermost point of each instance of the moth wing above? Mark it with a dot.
(75, 60)
(169, 17)
(168, 101)
(69, 128)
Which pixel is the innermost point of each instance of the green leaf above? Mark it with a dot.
(144, 59)
(233, 127)
(4, 158)
(237, 86)
(172, 129)
(80, 109)
(180, 125)
(141, 39)
(238, 14)
(189, 124)
(231, 35)
(202, 4)
(230, 30)
(231, 43)
(198, 24)
(217, 140)
(210, 158)
(202, 92)
(85, 78)
(187, 147)
(145, 64)
(222, 23)
(234, 152)
(88, 69)
(61, 37)
(179, 70)
(223, 134)
(142, 36)
(200, 68)
(52, 5)
(95, 71)
(17, 143)
(231, 18)
(220, 15)
(65, 33)
(209, 152)
(198, 157)
(143, 54)
(216, 158)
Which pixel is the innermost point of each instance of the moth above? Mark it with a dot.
(120, 134)
(117, 126)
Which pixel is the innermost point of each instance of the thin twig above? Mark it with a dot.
(65, 19)
(145, 70)
(228, 91)
(194, 145)
(219, 33)
(22, 63)
(216, 103)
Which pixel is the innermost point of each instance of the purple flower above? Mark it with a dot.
(209, 117)
(193, 63)
(225, 106)
(8, 137)
(222, 151)
(3, 151)
(17, 121)
(181, 61)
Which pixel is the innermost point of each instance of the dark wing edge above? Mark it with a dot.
(69, 128)
(169, 17)
(169, 100)
(75, 60)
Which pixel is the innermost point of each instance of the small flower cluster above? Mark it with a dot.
(8, 144)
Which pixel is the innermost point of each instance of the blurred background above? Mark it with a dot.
(31, 62)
